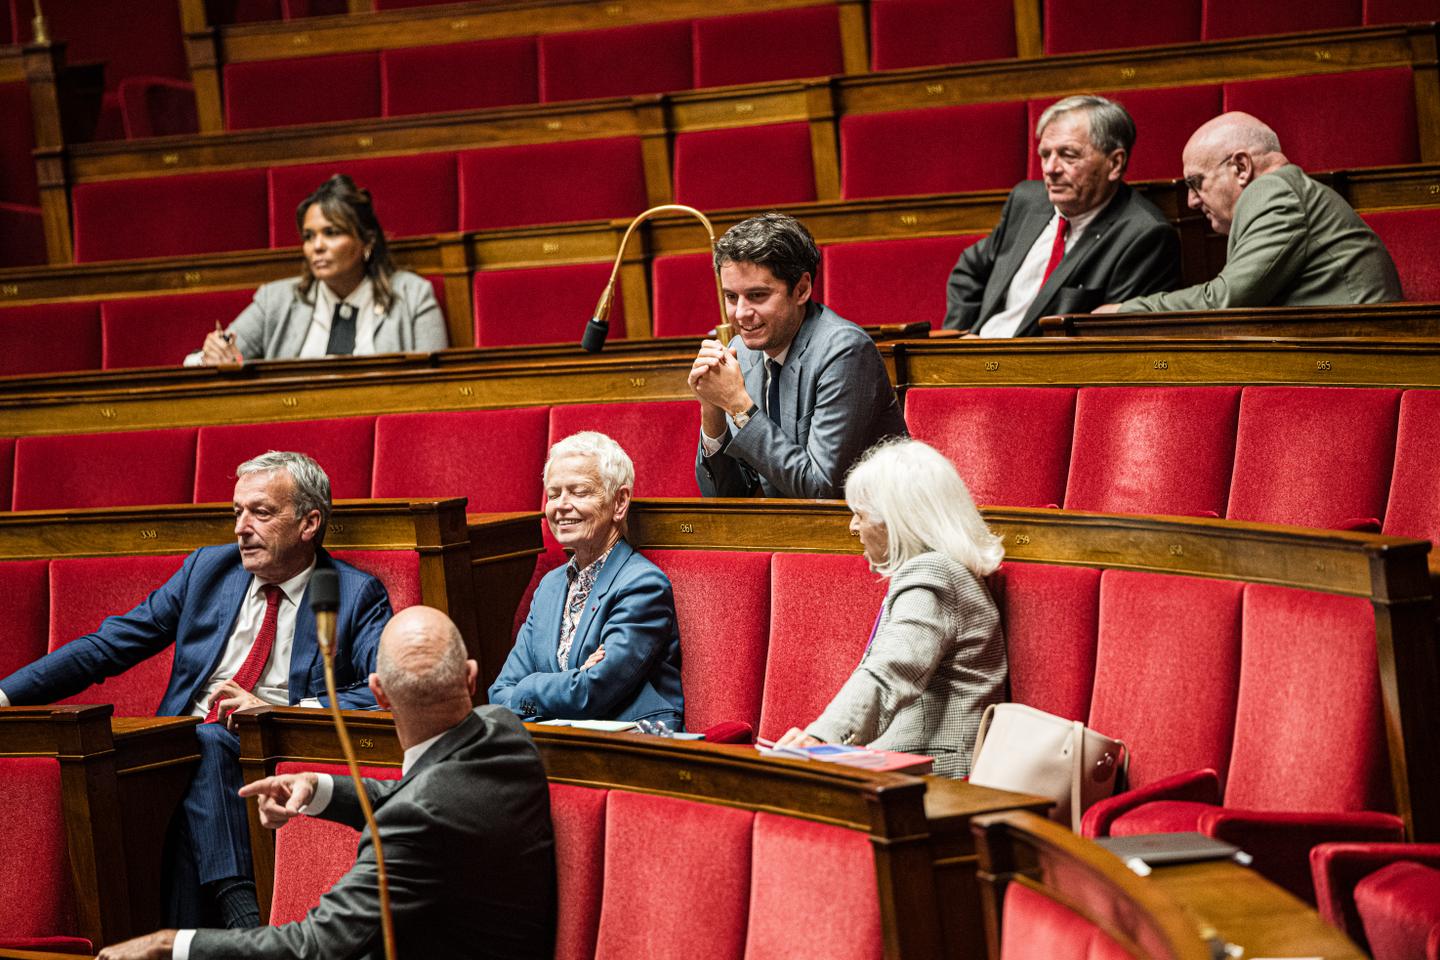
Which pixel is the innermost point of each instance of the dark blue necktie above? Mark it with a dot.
(772, 391)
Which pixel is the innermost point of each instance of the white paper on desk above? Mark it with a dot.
(607, 726)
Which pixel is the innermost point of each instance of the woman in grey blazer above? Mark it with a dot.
(936, 658)
(350, 297)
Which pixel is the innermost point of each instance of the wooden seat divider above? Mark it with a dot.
(1379, 320)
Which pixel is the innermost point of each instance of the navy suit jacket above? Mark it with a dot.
(631, 611)
(196, 610)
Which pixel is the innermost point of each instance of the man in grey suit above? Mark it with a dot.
(802, 392)
(1292, 241)
(469, 846)
(1069, 242)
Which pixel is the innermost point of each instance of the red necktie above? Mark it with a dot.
(1057, 252)
(254, 665)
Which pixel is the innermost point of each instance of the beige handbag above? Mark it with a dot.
(1030, 751)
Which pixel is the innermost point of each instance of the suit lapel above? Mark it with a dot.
(1009, 262)
(305, 645)
(296, 326)
(792, 370)
(586, 639)
(452, 740)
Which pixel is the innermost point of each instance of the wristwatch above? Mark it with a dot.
(743, 418)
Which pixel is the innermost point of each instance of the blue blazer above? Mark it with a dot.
(196, 610)
(631, 611)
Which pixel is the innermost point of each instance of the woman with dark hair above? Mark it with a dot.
(360, 304)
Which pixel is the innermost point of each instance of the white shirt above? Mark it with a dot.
(362, 298)
(1025, 285)
(712, 444)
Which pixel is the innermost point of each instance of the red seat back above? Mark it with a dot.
(17, 140)
(25, 585)
(458, 76)
(776, 45)
(1235, 18)
(921, 33)
(1051, 618)
(343, 446)
(105, 469)
(617, 62)
(1413, 509)
(1072, 26)
(979, 146)
(49, 338)
(398, 570)
(1035, 927)
(160, 331)
(37, 898)
(170, 216)
(157, 107)
(683, 294)
(654, 434)
(22, 235)
(1399, 11)
(551, 183)
(891, 281)
(412, 195)
(510, 308)
(493, 457)
(264, 93)
(1411, 236)
(578, 815)
(776, 159)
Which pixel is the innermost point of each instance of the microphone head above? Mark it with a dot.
(324, 590)
(595, 332)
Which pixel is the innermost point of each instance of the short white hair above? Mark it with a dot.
(612, 464)
(911, 488)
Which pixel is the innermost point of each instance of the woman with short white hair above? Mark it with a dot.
(936, 657)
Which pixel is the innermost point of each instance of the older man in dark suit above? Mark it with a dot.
(1070, 242)
(469, 847)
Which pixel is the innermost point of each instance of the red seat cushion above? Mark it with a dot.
(1235, 18)
(1166, 450)
(399, 570)
(617, 62)
(264, 93)
(170, 216)
(36, 896)
(509, 309)
(648, 432)
(493, 457)
(977, 146)
(160, 331)
(1399, 906)
(1414, 506)
(1400, 11)
(104, 470)
(1164, 120)
(1410, 236)
(578, 814)
(1197, 663)
(776, 159)
(977, 427)
(814, 595)
(821, 872)
(891, 281)
(683, 294)
(723, 667)
(1036, 927)
(412, 195)
(551, 183)
(86, 590)
(657, 843)
(49, 338)
(1278, 480)
(1380, 128)
(311, 854)
(1072, 25)
(1160, 816)
(17, 140)
(157, 107)
(25, 585)
(1051, 617)
(343, 446)
(22, 236)
(921, 33)
(459, 76)
(777, 45)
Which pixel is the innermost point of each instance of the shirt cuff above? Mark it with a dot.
(324, 791)
(311, 703)
(181, 949)
(4, 700)
(196, 359)
(710, 445)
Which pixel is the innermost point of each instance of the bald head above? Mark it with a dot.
(422, 662)
(1225, 156)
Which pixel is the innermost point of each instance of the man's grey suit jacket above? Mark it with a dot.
(836, 401)
(1127, 250)
(470, 853)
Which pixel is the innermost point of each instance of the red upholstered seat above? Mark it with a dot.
(458, 76)
(157, 107)
(976, 427)
(683, 295)
(978, 146)
(1400, 908)
(822, 608)
(86, 590)
(771, 45)
(655, 844)
(1414, 506)
(1411, 237)
(1036, 927)
(1378, 129)
(399, 570)
(7, 471)
(817, 871)
(1073, 25)
(551, 183)
(310, 855)
(493, 457)
(414, 194)
(170, 216)
(343, 446)
(1235, 18)
(160, 331)
(723, 656)
(1278, 480)
(618, 62)
(145, 41)
(49, 338)
(891, 281)
(105, 469)
(1164, 120)
(1400, 11)
(38, 900)
(776, 160)
(1051, 616)
(541, 304)
(1166, 450)
(22, 235)
(282, 93)
(1338, 869)
(17, 140)
(654, 434)
(921, 33)
(578, 814)
(25, 585)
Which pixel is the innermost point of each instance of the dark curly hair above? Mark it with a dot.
(772, 240)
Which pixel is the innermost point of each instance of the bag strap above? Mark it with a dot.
(980, 734)
(1077, 771)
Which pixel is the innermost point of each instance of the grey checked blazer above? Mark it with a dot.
(937, 661)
